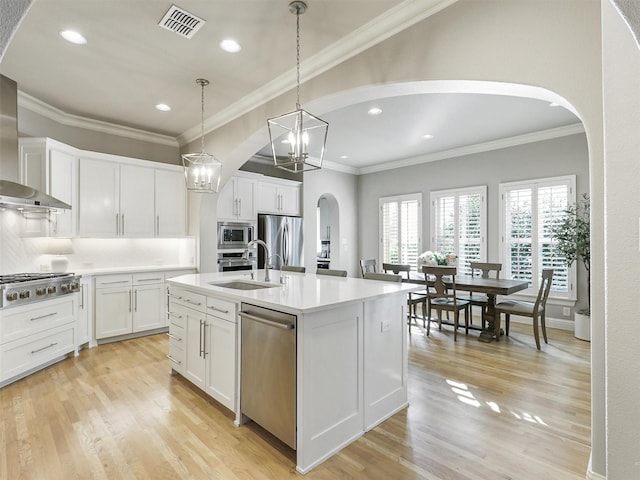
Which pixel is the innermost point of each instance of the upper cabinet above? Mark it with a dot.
(278, 196)
(237, 199)
(130, 199)
(51, 167)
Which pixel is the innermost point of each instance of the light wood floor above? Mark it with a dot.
(478, 411)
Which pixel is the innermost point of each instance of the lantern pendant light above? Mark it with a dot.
(201, 170)
(297, 138)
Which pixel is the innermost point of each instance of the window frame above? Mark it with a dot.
(399, 199)
(535, 184)
(456, 193)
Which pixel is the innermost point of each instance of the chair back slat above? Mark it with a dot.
(397, 268)
(368, 266)
(387, 277)
(545, 288)
(436, 286)
(485, 269)
(331, 272)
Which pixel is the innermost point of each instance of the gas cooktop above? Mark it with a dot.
(27, 277)
(24, 288)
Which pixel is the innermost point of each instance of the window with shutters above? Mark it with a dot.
(400, 228)
(458, 225)
(529, 211)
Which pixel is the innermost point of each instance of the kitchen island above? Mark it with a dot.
(350, 350)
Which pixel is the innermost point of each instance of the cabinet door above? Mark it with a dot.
(268, 197)
(221, 374)
(148, 307)
(85, 316)
(99, 204)
(170, 202)
(137, 206)
(246, 198)
(195, 368)
(113, 311)
(62, 185)
(289, 199)
(227, 205)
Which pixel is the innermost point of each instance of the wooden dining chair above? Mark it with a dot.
(536, 310)
(413, 298)
(331, 272)
(291, 268)
(368, 266)
(484, 270)
(387, 277)
(442, 297)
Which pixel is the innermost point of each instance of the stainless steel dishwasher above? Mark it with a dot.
(268, 370)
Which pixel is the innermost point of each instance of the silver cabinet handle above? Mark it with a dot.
(175, 296)
(129, 300)
(158, 225)
(117, 224)
(239, 207)
(43, 348)
(149, 279)
(219, 310)
(82, 296)
(200, 354)
(174, 315)
(135, 300)
(114, 282)
(188, 300)
(170, 335)
(174, 360)
(43, 316)
(122, 232)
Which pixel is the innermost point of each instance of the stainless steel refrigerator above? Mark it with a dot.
(283, 236)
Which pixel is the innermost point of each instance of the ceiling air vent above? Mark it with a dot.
(181, 22)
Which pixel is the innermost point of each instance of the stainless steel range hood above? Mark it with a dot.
(13, 194)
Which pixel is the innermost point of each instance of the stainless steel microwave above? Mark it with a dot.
(234, 235)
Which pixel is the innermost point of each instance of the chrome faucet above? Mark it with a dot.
(266, 256)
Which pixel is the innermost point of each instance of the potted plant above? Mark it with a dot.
(572, 235)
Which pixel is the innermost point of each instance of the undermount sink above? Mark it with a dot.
(243, 285)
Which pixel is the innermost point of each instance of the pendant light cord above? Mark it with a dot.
(202, 84)
(298, 58)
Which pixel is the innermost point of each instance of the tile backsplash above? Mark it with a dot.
(19, 255)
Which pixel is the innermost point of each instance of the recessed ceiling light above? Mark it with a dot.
(73, 37)
(230, 45)
(554, 104)
(344, 157)
(427, 136)
(163, 107)
(375, 111)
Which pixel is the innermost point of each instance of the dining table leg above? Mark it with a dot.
(488, 334)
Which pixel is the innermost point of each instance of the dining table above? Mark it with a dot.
(491, 287)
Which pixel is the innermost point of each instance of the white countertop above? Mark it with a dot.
(141, 269)
(300, 293)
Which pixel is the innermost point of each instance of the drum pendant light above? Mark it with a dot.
(297, 138)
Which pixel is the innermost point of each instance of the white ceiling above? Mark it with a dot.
(130, 64)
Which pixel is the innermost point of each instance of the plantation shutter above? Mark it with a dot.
(400, 229)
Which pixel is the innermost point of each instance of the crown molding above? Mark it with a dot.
(478, 148)
(397, 19)
(39, 107)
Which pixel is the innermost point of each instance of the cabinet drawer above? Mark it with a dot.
(32, 351)
(148, 278)
(177, 333)
(108, 281)
(221, 308)
(176, 356)
(189, 299)
(177, 315)
(37, 318)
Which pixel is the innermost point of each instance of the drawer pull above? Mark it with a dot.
(43, 316)
(114, 282)
(188, 300)
(219, 310)
(174, 315)
(175, 296)
(174, 360)
(148, 279)
(174, 337)
(43, 348)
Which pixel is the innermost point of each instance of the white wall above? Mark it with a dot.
(343, 187)
(621, 74)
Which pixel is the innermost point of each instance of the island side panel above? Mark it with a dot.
(385, 358)
(330, 382)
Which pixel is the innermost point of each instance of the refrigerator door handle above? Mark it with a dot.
(285, 244)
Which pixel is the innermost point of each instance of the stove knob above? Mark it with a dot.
(25, 294)
(64, 287)
(74, 286)
(41, 291)
(12, 296)
(51, 289)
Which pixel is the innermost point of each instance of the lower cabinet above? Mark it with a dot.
(85, 307)
(203, 343)
(127, 304)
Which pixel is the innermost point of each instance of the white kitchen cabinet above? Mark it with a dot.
(85, 309)
(51, 167)
(170, 203)
(130, 199)
(210, 351)
(237, 199)
(128, 304)
(278, 196)
(99, 198)
(33, 335)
